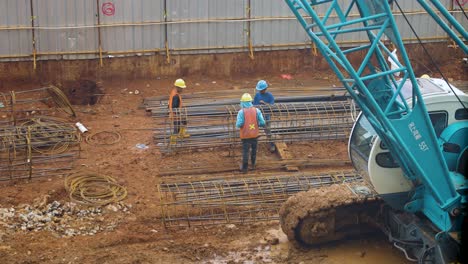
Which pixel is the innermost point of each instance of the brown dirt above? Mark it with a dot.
(141, 238)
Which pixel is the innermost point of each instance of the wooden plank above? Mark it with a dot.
(283, 152)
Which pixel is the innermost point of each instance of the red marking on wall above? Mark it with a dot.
(108, 9)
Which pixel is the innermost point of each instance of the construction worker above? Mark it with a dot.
(249, 119)
(175, 103)
(263, 97)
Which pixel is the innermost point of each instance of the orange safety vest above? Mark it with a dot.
(250, 127)
(171, 97)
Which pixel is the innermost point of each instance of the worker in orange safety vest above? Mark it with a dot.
(175, 105)
(249, 119)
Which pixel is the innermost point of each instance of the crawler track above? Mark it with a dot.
(329, 214)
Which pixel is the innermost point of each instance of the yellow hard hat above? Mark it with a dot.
(180, 83)
(246, 98)
(425, 76)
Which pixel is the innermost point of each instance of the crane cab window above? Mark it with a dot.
(386, 160)
(439, 121)
(461, 114)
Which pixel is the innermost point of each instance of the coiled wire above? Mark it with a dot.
(94, 189)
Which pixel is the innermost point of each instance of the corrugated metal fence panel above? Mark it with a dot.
(272, 31)
(15, 13)
(460, 16)
(131, 36)
(58, 23)
(69, 26)
(212, 34)
(426, 28)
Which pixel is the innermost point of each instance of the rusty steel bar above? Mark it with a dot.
(214, 126)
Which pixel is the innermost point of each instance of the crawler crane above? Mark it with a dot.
(410, 142)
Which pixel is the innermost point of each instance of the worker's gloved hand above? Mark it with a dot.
(262, 102)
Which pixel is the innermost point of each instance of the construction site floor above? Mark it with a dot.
(140, 236)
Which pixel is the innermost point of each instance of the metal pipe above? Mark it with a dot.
(34, 51)
(98, 15)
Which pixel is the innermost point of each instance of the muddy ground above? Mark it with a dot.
(140, 236)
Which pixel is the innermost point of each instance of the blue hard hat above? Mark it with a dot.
(261, 85)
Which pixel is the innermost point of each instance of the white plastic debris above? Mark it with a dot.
(81, 127)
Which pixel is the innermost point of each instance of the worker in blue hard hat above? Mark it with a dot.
(265, 99)
(249, 119)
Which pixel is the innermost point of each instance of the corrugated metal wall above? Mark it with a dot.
(72, 29)
(17, 42)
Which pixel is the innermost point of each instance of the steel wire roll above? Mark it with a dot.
(90, 188)
(61, 100)
(50, 135)
(93, 138)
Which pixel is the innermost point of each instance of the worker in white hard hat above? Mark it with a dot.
(265, 99)
(175, 104)
(249, 119)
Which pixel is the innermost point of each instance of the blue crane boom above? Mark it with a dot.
(403, 126)
(451, 22)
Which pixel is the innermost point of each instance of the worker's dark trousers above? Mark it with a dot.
(246, 145)
(178, 123)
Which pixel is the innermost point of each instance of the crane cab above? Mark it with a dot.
(373, 160)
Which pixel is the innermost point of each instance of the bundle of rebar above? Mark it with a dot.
(220, 201)
(18, 106)
(213, 126)
(297, 94)
(39, 147)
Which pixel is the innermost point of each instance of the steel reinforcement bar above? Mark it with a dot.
(219, 201)
(19, 106)
(39, 147)
(214, 126)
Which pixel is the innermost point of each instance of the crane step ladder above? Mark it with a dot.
(403, 126)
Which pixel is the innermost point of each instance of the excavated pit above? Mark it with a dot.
(82, 92)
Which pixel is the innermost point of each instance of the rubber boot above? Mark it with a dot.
(173, 140)
(183, 133)
(243, 168)
(253, 167)
(271, 147)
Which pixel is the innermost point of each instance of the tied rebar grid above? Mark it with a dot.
(214, 126)
(219, 201)
(39, 147)
(18, 106)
